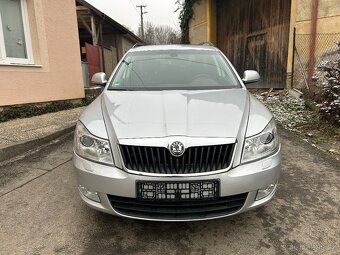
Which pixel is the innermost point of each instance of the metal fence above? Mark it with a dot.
(325, 50)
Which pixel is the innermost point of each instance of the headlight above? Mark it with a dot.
(91, 147)
(261, 145)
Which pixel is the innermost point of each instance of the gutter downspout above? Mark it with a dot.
(313, 43)
(211, 21)
(208, 13)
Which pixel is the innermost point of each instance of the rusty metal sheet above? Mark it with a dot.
(93, 59)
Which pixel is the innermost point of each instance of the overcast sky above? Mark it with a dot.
(160, 12)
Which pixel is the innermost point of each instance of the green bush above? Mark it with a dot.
(29, 110)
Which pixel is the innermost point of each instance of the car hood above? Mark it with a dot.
(203, 113)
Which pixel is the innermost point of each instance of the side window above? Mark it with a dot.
(14, 33)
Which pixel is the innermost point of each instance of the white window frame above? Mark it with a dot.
(13, 61)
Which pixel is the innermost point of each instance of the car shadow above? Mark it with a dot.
(116, 235)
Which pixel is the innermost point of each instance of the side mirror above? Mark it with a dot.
(250, 76)
(99, 79)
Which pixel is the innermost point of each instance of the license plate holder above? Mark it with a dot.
(174, 191)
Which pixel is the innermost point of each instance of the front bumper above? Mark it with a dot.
(247, 178)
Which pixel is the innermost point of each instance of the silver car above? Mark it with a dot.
(176, 136)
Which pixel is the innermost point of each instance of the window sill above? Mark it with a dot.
(21, 65)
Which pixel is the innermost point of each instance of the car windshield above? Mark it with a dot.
(174, 69)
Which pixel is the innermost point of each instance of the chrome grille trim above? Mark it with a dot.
(159, 161)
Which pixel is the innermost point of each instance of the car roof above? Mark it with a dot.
(173, 47)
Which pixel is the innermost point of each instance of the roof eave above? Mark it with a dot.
(118, 26)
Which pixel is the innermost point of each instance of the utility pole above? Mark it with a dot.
(141, 18)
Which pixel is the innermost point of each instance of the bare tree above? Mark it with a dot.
(154, 34)
(149, 33)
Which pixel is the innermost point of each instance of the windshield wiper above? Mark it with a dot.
(127, 63)
(121, 89)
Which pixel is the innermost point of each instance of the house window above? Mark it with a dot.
(15, 45)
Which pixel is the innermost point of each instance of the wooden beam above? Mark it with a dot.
(85, 24)
(94, 31)
(99, 33)
(82, 8)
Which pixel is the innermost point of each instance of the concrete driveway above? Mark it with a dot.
(41, 213)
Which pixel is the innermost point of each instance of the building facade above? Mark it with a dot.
(259, 34)
(103, 41)
(39, 52)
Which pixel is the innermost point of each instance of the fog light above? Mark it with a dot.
(92, 195)
(262, 193)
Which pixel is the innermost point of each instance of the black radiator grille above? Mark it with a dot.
(194, 160)
(179, 210)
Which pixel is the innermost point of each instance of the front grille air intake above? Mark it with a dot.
(159, 160)
(178, 210)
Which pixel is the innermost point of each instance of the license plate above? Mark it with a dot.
(198, 190)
